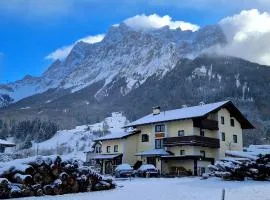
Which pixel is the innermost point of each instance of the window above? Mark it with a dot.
(98, 149)
(182, 152)
(222, 120)
(234, 138)
(232, 122)
(160, 128)
(108, 149)
(158, 144)
(145, 138)
(115, 148)
(202, 153)
(201, 133)
(223, 136)
(181, 133)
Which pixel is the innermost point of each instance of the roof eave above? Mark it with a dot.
(118, 138)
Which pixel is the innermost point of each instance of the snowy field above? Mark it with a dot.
(175, 189)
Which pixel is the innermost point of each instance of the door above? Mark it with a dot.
(151, 160)
(108, 167)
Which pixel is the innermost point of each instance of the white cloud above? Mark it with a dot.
(63, 52)
(248, 35)
(155, 21)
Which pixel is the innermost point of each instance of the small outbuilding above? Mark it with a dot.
(4, 144)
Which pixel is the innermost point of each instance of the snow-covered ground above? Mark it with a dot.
(175, 189)
(74, 142)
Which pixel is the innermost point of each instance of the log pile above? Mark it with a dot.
(239, 169)
(48, 176)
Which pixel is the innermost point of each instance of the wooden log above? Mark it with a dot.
(50, 176)
(47, 179)
(4, 188)
(15, 190)
(48, 190)
(4, 182)
(38, 179)
(55, 169)
(82, 181)
(27, 192)
(23, 179)
(23, 169)
(75, 187)
(69, 168)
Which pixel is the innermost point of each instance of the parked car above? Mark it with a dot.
(148, 171)
(124, 171)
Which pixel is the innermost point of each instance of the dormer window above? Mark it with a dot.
(160, 128)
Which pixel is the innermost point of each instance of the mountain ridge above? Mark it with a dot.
(81, 68)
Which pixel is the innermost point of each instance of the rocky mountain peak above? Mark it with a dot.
(124, 53)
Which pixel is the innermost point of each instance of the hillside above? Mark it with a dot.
(75, 142)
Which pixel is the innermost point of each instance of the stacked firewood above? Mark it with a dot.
(239, 169)
(49, 176)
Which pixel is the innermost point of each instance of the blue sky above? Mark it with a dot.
(32, 29)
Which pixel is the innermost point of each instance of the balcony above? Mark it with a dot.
(193, 140)
(206, 124)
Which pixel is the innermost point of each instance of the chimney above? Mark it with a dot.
(201, 103)
(156, 110)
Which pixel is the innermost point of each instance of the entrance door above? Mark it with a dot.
(151, 160)
(108, 167)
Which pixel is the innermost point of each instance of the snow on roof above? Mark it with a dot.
(258, 149)
(177, 114)
(265, 146)
(153, 152)
(118, 135)
(241, 154)
(105, 156)
(6, 143)
(124, 166)
(146, 167)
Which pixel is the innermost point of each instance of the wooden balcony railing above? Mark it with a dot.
(206, 124)
(193, 140)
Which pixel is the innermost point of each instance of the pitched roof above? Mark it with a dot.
(105, 156)
(6, 143)
(114, 136)
(192, 112)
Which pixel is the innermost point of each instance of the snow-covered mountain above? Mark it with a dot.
(133, 55)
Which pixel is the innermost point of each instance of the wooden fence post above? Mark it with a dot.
(223, 194)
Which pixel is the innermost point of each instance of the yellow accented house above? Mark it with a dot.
(117, 148)
(180, 141)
